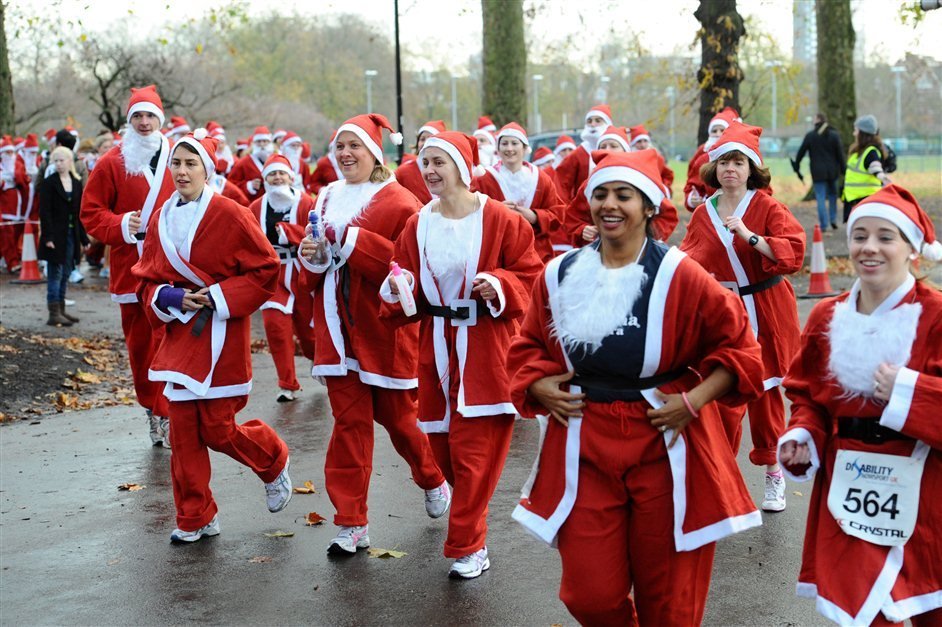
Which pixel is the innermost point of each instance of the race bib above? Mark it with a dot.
(875, 497)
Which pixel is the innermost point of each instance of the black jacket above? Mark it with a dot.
(825, 152)
(54, 211)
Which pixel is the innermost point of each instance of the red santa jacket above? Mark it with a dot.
(290, 268)
(501, 253)
(410, 176)
(578, 217)
(694, 182)
(542, 199)
(773, 313)
(349, 335)
(246, 170)
(325, 173)
(15, 194)
(900, 581)
(572, 172)
(691, 323)
(218, 362)
(109, 198)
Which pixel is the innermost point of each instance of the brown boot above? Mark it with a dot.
(65, 314)
(56, 319)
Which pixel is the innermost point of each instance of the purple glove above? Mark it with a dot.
(169, 297)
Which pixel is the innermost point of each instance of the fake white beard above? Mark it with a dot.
(709, 143)
(593, 301)
(224, 154)
(8, 162)
(860, 343)
(487, 157)
(261, 154)
(346, 202)
(138, 150)
(591, 134)
(279, 196)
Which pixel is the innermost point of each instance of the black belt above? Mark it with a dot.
(623, 388)
(201, 319)
(755, 288)
(457, 313)
(867, 430)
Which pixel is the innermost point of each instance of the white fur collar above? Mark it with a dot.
(346, 202)
(448, 245)
(517, 186)
(593, 301)
(860, 343)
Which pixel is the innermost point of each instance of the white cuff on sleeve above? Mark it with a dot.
(222, 307)
(313, 267)
(897, 410)
(501, 299)
(249, 186)
(128, 238)
(164, 317)
(799, 435)
(386, 293)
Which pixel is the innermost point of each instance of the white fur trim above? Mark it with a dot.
(208, 163)
(349, 241)
(913, 606)
(933, 251)
(262, 137)
(597, 113)
(396, 138)
(124, 299)
(375, 150)
(385, 292)
(200, 133)
(276, 166)
(453, 152)
(512, 132)
(635, 140)
(163, 317)
(431, 130)
(609, 174)
(147, 107)
(219, 391)
(222, 307)
(901, 400)
(892, 215)
(799, 435)
(564, 146)
(544, 160)
(726, 147)
(501, 299)
(616, 137)
(128, 238)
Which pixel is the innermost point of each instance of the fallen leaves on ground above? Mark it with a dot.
(130, 487)
(86, 377)
(307, 488)
(280, 534)
(797, 493)
(260, 559)
(386, 553)
(313, 519)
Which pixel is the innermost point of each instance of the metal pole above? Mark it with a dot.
(398, 80)
(537, 123)
(898, 75)
(369, 92)
(672, 95)
(454, 103)
(774, 104)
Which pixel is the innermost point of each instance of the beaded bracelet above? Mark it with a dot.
(693, 412)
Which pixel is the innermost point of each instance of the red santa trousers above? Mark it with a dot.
(142, 341)
(619, 533)
(11, 249)
(280, 330)
(196, 427)
(349, 464)
(472, 456)
(766, 423)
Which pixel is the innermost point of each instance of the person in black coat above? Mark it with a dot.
(61, 236)
(824, 149)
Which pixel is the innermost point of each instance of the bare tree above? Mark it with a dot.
(721, 28)
(836, 38)
(7, 106)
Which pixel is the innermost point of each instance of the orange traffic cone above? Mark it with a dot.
(29, 270)
(820, 282)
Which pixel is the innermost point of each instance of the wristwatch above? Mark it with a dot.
(753, 239)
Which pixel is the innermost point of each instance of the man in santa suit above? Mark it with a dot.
(368, 364)
(291, 148)
(246, 174)
(326, 170)
(14, 196)
(523, 188)
(640, 139)
(127, 184)
(203, 296)
(409, 174)
(278, 138)
(280, 206)
(695, 190)
(487, 143)
(574, 169)
(224, 156)
(177, 129)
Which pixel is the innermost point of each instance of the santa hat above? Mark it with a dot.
(601, 110)
(741, 137)
(50, 136)
(72, 131)
(305, 152)
(32, 141)
(278, 134)
(725, 117)
(462, 149)
(619, 134)
(147, 100)
(290, 137)
(512, 129)
(638, 133)
(433, 127)
(542, 156)
(261, 133)
(898, 206)
(205, 147)
(486, 124)
(638, 168)
(179, 125)
(242, 144)
(486, 135)
(564, 142)
(369, 128)
(6, 144)
(19, 143)
(216, 130)
(277, 163)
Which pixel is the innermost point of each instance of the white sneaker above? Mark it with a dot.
(104, 273)
(470, 566)
(165, 431)
(180, 536)
(437, 500)
(349, 539)
(285, 396)
(774, 493)
(76, 276)
(278, 492)
(156, 435)
(69, 302)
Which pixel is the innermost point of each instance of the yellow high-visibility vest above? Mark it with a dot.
(858, 183)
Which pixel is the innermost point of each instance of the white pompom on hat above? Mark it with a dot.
(898, 206)
(369, 128)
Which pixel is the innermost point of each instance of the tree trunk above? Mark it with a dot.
(721, 27)
(504, 60)
(7, 108)
(836, 66)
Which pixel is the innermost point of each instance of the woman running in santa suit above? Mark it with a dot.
(288, 313)
(408, 174)
(471, 264)
(523, 188)
(624, 349)
(866, 388)
(204, 298)
(369, 364)
(749, 241)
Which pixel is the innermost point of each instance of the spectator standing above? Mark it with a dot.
(826, 155)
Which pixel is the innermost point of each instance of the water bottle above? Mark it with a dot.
(406, 299)
(321, 255)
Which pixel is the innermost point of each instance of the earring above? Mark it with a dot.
(913, 257)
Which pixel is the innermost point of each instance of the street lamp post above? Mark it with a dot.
(369, 74)
(672, 95)
(537, 122)
(454, 103)
(774, 65)
(603, 90)
(898, 75)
